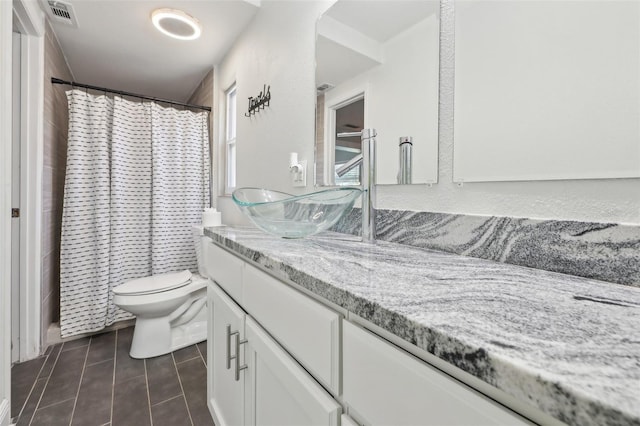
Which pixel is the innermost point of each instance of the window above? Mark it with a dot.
(230, 139)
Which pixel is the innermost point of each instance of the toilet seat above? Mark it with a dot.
(154, 284)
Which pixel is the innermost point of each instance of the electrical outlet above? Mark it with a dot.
(299, 178)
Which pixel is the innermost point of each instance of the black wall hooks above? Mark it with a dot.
(259, 102)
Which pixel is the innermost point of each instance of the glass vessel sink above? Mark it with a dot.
(291, 216)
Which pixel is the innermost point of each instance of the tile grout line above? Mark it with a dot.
(84, 366)
(166, 400)
(201, 356)
(57, 402)
(46, 383)
(113, 381)
(146, 380)
(181, 388)
(35, 381)
(187, 360)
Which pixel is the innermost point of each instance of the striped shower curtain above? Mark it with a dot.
(137, 179)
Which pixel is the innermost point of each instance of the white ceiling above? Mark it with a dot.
(340, 54)
(116, 46)
(336, 63)
(382, 20)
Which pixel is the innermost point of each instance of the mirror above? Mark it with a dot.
(377, 66)
(546, 90)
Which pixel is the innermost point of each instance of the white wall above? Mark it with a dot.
(278, 49)
(401, 100)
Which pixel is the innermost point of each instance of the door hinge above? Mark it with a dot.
(15, 212)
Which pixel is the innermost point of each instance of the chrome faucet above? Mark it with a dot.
(368, 179)
(406, 162)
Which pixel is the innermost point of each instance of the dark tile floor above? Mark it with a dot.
(94, 382)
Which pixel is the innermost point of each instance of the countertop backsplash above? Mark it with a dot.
(604, 251)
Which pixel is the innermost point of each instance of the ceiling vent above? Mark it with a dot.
(324, 87)
(62, 12)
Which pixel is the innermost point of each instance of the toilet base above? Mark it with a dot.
(156, 336)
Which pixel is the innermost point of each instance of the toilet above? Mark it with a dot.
(170, 309)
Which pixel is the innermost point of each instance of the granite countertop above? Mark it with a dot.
(567, 345)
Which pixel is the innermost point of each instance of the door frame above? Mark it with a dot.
(30, 21)
(335, 99)
(15, 197)
(6, 105)
(31, 18)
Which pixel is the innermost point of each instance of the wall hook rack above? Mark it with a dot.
(259, 102)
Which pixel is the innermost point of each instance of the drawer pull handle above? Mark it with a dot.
(237, 354)
(229, 358)
(237, 357)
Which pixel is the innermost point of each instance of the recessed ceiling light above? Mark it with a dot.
(176, 23)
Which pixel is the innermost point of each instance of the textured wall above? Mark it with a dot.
(203, 95)
(276, 49)
(56, 119)
(319, 156)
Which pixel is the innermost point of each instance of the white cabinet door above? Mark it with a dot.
(225, 393)
(345, 420)
(306, 329)
(278, 390)
(383, 385)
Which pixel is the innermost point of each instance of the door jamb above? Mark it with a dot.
(336, 99)
(30, 19)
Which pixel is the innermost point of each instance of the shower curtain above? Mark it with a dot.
(137, 179)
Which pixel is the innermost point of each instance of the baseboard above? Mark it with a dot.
(54, 337)
(5, 412)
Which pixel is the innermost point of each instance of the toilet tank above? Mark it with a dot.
(199, 240)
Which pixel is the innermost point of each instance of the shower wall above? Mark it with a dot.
(203, 95)
(54, 165)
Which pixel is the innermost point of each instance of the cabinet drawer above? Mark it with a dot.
(384, 385)
(307, 329)
(225, 269)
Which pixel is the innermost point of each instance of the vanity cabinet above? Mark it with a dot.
(308, 330)
(279, 390)
(251, 378)
(225, 393)
(277, 356)
(384, 385)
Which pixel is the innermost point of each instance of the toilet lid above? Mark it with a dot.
(155, 283)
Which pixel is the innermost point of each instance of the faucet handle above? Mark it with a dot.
(368, 134)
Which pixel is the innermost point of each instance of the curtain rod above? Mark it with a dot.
(122, 93)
